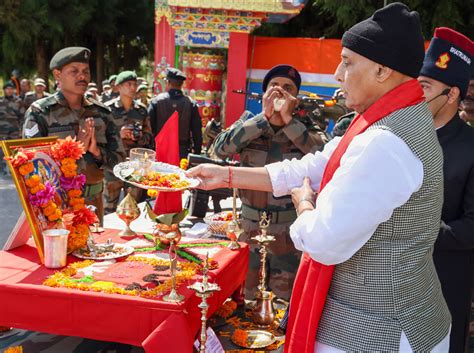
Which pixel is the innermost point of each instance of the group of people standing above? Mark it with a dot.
(109, 126)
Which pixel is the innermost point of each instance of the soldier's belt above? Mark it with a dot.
(93, 189)
(255, 214)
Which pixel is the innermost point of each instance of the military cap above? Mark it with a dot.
(69, 55)
(282, 71)
(175, 74)
(142, 87)
(105, 86)
(9, 84)
(125, 76)
(92, 88)
(449, 59)
(112, 78)
(39, 82)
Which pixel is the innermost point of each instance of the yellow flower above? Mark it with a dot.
(17, 349)
(183, 163)
(152, 193)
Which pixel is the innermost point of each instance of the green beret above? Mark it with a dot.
(175, 74)
(142, 87)
(112, 78)
(9, 84)
(125, 76)
(69, 55)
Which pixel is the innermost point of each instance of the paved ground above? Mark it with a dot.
(10, 207)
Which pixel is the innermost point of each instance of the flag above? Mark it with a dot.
(167, 151)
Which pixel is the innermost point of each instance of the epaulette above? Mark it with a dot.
(141, 105)
(43, 103)
(110, 102)
(98, 104)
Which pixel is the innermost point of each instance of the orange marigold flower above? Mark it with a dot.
(68, 161)
(74, 193)
(67, 148)
(69, 174)
(69, 168)
(20, 157)
(55, 216)
(47, 204)
(76, 201)
(50, 210)
(16, 349)
(26, 169)
(37, 188)
(33, 181)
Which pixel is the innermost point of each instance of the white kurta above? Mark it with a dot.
(377, 174)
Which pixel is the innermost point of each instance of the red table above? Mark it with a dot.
(158, 326)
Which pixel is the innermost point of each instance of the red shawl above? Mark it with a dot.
(313, 279)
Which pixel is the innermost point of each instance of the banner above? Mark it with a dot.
(204, 82)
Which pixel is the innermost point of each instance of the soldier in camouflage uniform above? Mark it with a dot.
(131, 119)
(38, 93)
(112, 92)
(11, 116)
(11, 113)
(69, 113)
(163, 106)
(271, 136)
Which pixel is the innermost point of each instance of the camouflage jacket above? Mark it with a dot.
(31, 97)
(11, 117)
(51, 116)
(107, 96)
(260, 143)
(137, 115)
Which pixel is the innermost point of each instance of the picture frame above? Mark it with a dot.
(47, 169)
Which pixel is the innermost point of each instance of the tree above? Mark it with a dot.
(330, 18)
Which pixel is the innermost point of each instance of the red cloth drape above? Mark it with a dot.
(313, 278)
(167, 151)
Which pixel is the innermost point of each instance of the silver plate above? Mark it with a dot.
(257, 339)
(125, 169)
(114, 254)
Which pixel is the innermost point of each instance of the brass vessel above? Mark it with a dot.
(128, 211)
(263, 313)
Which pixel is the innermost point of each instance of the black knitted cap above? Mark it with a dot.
(391, 37)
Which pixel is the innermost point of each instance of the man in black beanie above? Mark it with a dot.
(445, 79)
(366, 281)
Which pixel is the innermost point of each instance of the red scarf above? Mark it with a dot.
(313, 279)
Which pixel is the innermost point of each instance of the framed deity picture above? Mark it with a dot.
(46, 171)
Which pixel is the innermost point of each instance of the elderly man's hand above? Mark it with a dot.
(304, 197)
(210, 176)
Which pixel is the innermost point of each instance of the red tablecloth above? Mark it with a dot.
(158, 326)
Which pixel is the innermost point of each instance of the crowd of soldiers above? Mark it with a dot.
(109, 123)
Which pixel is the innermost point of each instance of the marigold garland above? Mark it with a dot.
(65, 152)
(16, 349)
(64, 278)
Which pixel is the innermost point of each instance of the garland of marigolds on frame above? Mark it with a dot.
(43, 196)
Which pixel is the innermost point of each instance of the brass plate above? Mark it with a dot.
(257, 339)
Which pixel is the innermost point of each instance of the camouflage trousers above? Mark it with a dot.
(112, 189)
(282, 260)
(97, 201)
